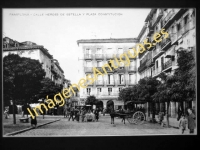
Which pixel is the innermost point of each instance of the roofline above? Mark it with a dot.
(29, 48)
(142, 31)
(149, 15)
(120, 40)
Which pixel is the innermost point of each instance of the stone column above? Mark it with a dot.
(173, 107)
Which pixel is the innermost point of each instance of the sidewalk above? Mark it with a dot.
(9, 127)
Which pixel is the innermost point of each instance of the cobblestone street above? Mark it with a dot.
(101, 128)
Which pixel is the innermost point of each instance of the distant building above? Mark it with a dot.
(98, 52)
(32, 50)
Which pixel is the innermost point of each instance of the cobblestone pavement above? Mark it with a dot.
(101, 128)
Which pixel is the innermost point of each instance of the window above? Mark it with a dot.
(99, 51)
(121, 78)
(157, 64)
(88, 51)
(88, 91)
(109, 91)
(99, 63)
(110, 79)
(88, 63)
(109, 51)
(131, 78)
(98, 91)
(120, 51)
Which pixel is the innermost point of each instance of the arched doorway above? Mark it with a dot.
(110, 105)
(99, 105)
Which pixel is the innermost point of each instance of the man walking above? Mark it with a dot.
(71, 114)
(191, 121)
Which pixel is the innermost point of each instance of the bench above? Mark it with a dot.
(24, 120)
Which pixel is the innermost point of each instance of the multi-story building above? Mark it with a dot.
(98, 52)
(32, 50)
(180, 24)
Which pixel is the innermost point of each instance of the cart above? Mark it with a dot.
(89, 116)
(135, 116)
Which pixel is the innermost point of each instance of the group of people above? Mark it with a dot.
(189, 119)
(83, 115)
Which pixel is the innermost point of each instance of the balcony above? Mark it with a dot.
(174, 38)
(99, 56)
(150, 63)
(178, 13)
(100, 69)
(167, 65)
(99, 82)
(157, 71)
(88, 69)
(120, 82)
(183, 30)
(167, 20)
(111, 83)
(131, 69)
(88, 56)
(130, 82)
(112, 94)
(157, 52)
(157, 17)
(118, 56)
(142, 67)
(165, 43)
(89, 83)
(108, 69)
(149, 30)
(109, 56)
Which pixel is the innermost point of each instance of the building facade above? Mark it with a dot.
(32, 50)
(180, 24)
(98, 52)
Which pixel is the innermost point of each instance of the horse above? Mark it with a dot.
(114, 114)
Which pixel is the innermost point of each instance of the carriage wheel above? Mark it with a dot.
(138, 117)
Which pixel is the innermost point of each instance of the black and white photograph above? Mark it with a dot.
(79, 72)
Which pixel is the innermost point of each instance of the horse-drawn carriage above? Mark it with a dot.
(135, 115)
(89, 116)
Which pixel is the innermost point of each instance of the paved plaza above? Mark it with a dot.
(101, 128)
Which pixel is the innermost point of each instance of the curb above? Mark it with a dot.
(27, 129)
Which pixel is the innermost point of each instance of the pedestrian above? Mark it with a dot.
(26, 107)
(6, 113)
(191, 121)
(23, 109)
(96, 114)
(161, 118)
(112, 115)
(71, 114)
(182, 123)
(77, 115)
(33, 120)
(104, 111)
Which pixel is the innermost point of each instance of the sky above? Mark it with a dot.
(59, 29)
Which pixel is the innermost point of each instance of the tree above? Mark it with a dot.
(179, 87)
(91, 100)
(124, 94)
(49, 88)
(22, 79)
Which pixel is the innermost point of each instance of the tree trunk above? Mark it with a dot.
(153, 112)
(167, 114)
